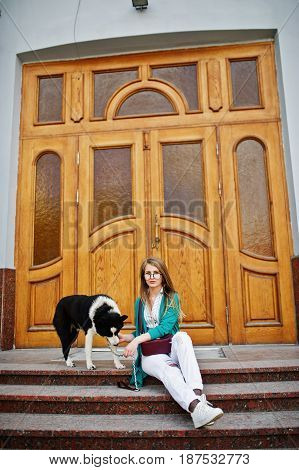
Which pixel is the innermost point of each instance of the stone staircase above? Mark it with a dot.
(46, 406)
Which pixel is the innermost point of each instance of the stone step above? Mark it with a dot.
(106, 374)
(152, 399)
(260, 430)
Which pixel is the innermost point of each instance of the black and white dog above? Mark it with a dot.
(96, 314)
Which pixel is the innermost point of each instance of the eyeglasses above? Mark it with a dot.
(147, 276)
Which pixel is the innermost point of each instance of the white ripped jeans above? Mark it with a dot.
(178, 371)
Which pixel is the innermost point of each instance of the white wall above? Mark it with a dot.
(38, 28)
(288, 40)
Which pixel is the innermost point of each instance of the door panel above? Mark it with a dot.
(46, 250)
(257, 239)
(186, 226)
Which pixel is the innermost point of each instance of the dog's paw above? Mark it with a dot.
(91, 367)
(70, 363)
(120, 366)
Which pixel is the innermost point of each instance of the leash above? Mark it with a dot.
(123, 384)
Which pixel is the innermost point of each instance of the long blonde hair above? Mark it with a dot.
(167, 284)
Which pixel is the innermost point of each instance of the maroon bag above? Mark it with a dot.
(155, 346)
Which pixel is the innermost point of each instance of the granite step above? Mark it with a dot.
(106, 374)
(260, 430)
(152, 399)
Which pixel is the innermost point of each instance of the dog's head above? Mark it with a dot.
(108, 323)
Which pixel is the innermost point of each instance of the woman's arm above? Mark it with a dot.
(167, 323)
(133, 345)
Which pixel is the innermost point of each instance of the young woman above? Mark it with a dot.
(179, 371)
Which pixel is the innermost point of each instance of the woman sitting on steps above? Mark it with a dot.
(179, 370)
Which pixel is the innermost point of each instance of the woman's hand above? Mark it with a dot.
(133, 345)
(131, 348)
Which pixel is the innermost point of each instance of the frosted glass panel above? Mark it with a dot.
(47, 214)
(106, 83)
(112, 184)
(245, 83)
(146, 102)
(184, 180)
(184, 78)
(254, 198)
(50, 99)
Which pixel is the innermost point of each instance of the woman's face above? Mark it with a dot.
(149, 273)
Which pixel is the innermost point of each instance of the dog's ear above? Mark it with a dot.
(124, 317)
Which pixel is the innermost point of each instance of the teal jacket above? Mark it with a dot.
(168, 324)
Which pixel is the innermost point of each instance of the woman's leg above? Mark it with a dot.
(182, 353)
(161, 366)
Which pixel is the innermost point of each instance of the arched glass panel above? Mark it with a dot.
(47, 214)
(146, 102)
(112, 184)
(183, 77)
(106, 83)
(254, 207)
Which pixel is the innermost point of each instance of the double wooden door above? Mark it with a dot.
(210, 204)
(154, 193)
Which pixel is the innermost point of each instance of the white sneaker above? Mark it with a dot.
(204, 413)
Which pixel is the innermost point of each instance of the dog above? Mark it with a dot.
(96, 314)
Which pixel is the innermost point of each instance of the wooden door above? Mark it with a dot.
(46, 236)
(186, 226)
(135, 186)
(112, 224)
(258, 247)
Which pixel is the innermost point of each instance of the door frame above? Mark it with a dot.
(215, 109)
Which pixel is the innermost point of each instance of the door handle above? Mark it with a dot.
(155, 244)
